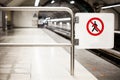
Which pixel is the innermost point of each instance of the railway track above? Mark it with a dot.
(111, 55)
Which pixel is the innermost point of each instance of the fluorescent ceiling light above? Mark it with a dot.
(37, 2)
(72, 2)
(60, 19)
(111, 6)
(6, 17)
(52, 1)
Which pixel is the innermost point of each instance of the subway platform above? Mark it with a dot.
(48, 63)
(36, 63)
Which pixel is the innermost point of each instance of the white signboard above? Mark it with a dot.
(95, 30)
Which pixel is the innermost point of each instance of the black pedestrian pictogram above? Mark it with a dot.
(94, 26)
(97, 29)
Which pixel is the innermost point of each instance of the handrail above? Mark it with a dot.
(35, 44)
(47, 9)
(36, 9)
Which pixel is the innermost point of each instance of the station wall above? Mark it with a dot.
(0, 18)
(24, 19)
(117, 15)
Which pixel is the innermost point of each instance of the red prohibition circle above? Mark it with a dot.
(90, 21)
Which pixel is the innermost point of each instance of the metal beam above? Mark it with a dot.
(36, 9)
(35, 45)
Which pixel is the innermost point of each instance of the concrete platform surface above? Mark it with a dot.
(36, 63)
(54, 64)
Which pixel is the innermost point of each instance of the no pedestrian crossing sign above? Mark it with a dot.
(94, 30)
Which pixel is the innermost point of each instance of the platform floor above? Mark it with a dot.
(36, 63)
(100, 68)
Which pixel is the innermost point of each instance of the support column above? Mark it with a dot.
(4, 21)
(118, 22)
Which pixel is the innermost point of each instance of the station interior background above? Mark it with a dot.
(25, 19)
(96, 5)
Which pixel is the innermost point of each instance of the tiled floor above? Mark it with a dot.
(15, 64)
(36, 63)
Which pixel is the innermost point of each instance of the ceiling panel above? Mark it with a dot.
(28, 3)
(3, 1)
(43, 1)
(21, 2)
(112, 2)
(16, 2)
(31, 2)
(118, 9)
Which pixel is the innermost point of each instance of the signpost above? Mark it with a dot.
(95, 30)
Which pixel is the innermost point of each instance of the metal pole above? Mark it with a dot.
(35, 45)
(72, 48)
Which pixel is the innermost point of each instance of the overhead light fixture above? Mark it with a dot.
(72, 2)
(53, 1)
(37, 2)
(111, 6)
(6, 17)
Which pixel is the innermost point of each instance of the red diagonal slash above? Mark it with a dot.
(99, 30)
(96, 27)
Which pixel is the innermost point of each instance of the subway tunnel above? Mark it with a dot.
(36, 45)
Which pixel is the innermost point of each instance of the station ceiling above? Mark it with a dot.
(20, 2)
(42, 2)
(112, 2)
